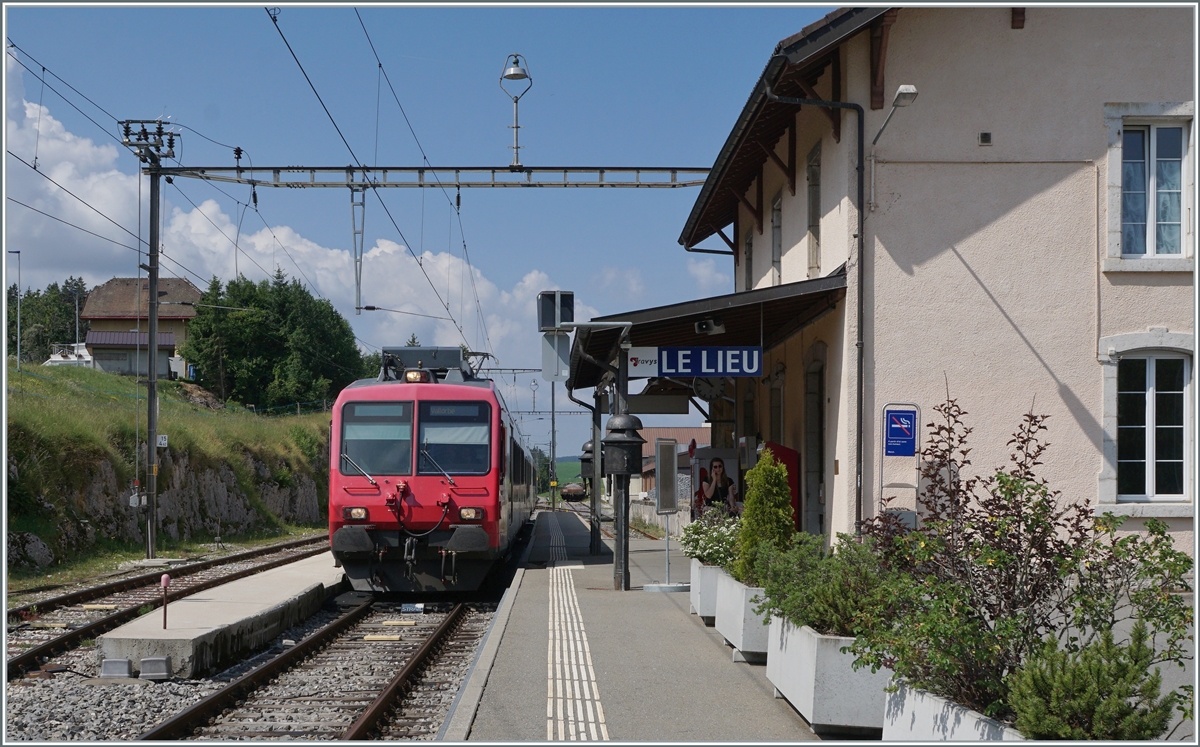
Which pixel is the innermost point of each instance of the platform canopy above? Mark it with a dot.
(765, 316)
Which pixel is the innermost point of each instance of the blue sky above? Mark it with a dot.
(615, 86)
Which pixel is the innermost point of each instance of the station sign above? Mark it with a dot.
(744, 360)
(900, 433)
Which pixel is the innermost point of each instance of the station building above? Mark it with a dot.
(1019, 237)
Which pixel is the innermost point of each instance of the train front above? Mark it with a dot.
(415, 501)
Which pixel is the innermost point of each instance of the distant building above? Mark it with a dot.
(640, 485)
(126, 352)
(69, 354)
(122, 305)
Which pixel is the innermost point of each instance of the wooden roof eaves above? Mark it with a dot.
(824, 36)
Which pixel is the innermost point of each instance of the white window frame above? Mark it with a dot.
(1156, 343)
(1150, 159)
(1152, 357)
(1117, 116)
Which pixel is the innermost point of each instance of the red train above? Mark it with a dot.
(429, 479)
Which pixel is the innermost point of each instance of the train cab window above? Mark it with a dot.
(377, 436)
(454, 438)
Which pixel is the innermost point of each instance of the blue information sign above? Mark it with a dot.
(900, 433)
(711, 361)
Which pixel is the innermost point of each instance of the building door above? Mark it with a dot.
(814, 449)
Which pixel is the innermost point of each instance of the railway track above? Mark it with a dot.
(584, 512)
(50, 627)
(375, 669)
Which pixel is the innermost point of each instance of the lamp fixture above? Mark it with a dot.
(905, 95)
(517, 69)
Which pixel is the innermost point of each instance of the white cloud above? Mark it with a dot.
(708, 279)
(199, 238)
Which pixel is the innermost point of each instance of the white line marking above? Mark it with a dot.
(573, 709)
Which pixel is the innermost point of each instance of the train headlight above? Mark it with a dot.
(470, 514)
(354, 513)
(416, 376)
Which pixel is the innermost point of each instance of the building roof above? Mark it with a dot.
(100, 339)
(119, 298)
(682, 436)
(765, 316)
(797, 61)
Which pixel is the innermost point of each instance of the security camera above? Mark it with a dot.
(710, 327)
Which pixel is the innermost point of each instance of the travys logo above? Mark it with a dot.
(643, 362)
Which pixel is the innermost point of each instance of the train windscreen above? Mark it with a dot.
(377, 438)
(455, 438)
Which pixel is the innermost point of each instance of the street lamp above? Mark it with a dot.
(905, 95)
(18, 253)
(516, 69)
(76, 294)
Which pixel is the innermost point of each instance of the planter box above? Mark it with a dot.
(810, 670)
(704, 590)
(736, 620)
(913, 715)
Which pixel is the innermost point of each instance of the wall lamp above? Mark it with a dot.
(905, 95)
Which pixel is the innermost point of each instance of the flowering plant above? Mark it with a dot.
(712, 538)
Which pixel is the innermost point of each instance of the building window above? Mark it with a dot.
(1152, 433)
(748, 255)
(777, 414)
(813, 173)
(777, 239)
(1152, 159)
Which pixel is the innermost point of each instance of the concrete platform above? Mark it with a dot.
(578, 660)
(214, 628)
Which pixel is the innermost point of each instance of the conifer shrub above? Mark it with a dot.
(1103, 691)
(766, 516)
(711, 538)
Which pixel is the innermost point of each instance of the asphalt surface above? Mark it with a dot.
(659, 674)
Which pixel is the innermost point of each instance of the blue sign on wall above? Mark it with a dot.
(711, 361)
(900, 433)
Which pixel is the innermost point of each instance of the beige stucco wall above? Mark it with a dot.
(984, 263)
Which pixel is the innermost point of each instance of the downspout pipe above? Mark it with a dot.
(858, 457)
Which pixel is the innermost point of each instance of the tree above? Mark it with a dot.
(371, 363)
(766, 517)
(541, 462)
(276, 345)
(413, 342)
(47, 317)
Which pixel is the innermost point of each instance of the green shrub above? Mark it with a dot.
(998, 564)
(839, 593)
(712, 538)
(766, 516)
(1104, 691)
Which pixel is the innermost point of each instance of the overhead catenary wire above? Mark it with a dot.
(64, 98)
(369, 182)
(118, 140)
(456, 204)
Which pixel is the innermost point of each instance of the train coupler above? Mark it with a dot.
(453, 566)
(410, 555)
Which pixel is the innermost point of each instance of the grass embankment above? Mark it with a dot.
(63, 422)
